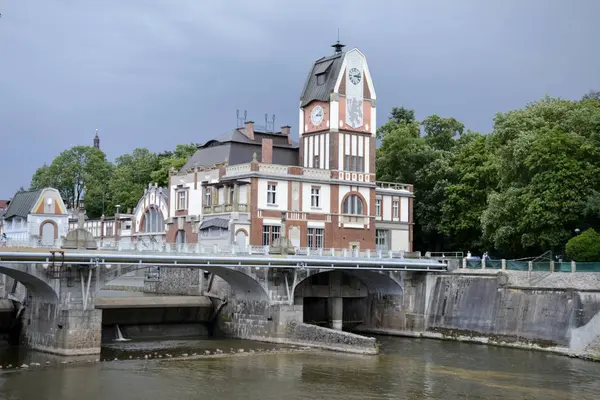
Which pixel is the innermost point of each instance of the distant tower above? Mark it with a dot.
(97, 140)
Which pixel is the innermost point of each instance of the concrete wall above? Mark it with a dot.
(256, 320)
(500, 308)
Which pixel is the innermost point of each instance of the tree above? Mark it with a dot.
(466, 196)
(175, 159)
(132, 173)
(585, 247)
(546, 160)
(72, 172)
(592, 95)
(440, 132)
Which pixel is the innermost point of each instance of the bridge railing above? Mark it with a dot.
(234, 250)
(530, 266)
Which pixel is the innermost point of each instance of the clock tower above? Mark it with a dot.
(337, 121)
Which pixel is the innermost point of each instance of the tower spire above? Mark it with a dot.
(338, 46)
(97, 140)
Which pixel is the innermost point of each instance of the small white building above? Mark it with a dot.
(38, 215)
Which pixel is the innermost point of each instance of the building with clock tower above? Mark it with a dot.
(237, 187)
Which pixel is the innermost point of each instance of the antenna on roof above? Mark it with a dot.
(241, 120)
(269, 125)
(338, 46)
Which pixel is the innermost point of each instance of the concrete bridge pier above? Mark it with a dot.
(336, 310)
(63, 320)
(336, 301)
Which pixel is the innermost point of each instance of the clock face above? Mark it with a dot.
(355, 76)
(316, 115)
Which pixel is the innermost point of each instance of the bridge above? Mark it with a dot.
(62, 282)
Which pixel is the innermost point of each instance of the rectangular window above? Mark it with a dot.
(271, 192)
(320, 79)
(315, 238)
(314, 197)
(316, 162)
(354, 163)
(378, 207)
(207, 197)
(270, 233)
(395, 209)
(231, 195)
(381, 239)
(181, 200)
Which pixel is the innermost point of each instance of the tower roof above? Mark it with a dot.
(322, 77)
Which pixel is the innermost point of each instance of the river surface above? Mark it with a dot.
(407, 368)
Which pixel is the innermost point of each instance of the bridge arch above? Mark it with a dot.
(376, 282)
(240, 281)
(33, 279)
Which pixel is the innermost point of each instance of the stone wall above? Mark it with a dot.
(257, 320)
(180, 281)
(60, 330)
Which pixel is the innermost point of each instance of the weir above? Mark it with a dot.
(64, 316)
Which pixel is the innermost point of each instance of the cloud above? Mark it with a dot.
(154, 73)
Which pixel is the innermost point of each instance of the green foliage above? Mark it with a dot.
(72, 171)
(585, 247)
(520, 190)
(175, 159)
(83, 173)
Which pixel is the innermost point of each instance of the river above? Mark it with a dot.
(405, 369)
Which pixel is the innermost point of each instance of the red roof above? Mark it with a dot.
(3, 204)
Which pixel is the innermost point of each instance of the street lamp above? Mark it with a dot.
(577, 230)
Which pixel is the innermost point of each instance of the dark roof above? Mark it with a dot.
(215, 222)
(22, 203)
(330, 66)
(237, 148)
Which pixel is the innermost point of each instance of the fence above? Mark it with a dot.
(545, 266)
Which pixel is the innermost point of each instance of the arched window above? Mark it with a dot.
(153, 221)
(353, 205)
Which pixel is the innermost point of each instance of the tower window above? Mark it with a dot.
(321, 79)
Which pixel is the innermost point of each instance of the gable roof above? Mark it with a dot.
(330, 67)
(22, 204)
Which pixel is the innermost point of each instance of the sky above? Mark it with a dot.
(155, 73)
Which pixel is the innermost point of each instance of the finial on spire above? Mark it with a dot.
(338, 46)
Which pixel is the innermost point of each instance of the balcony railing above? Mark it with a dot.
(107, 245)
(394, 186)
(224, 208)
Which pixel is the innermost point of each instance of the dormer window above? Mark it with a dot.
(321, 72)
(321, 79)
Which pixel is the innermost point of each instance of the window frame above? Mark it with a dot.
(315, 238)
(395, 209)
(378, 203)
(315, 197)
(355, 204)
(182, 195)
(272, 192)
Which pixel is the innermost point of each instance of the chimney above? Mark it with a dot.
(249, 129)
(285, 131)
(267, 151)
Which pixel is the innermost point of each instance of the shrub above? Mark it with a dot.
(584, 247)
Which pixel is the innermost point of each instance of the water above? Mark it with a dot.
(406, 369)
(119, 335)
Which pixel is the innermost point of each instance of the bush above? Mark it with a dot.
(585, 247)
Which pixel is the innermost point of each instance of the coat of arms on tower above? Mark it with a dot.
(354, 113)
